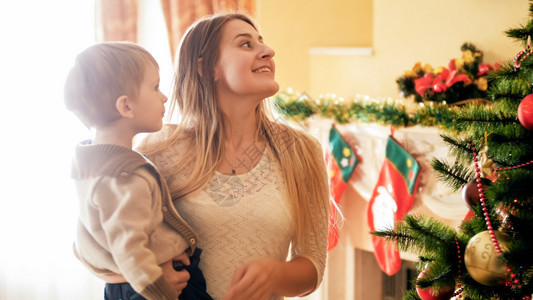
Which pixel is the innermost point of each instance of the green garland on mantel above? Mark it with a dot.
(299, 107)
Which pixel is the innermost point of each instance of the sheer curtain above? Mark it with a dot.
(37, 210)
(117, 20)
(40, 40)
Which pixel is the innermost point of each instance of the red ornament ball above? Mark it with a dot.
(525, 112)
(430, 294)
(471, 192)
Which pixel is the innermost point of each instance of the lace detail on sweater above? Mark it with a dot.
(228, 190)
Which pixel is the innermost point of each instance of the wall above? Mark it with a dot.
(292, 27)
(401, 33)
(429, 31)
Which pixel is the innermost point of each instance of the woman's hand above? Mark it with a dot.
(254, 280)
(262, 278)
(176, 279)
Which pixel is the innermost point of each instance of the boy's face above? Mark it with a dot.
(149, 107)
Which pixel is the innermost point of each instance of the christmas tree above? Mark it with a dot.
(490, 255)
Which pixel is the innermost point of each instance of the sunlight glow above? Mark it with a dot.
(38, 206)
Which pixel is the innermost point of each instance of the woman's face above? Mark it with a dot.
(245, 67)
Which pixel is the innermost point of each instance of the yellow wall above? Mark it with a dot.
(292, 27)
(400, 32)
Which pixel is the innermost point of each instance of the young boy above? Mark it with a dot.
(129, 232)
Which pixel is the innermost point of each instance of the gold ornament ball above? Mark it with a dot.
(482, 260)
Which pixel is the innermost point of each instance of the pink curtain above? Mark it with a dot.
(116, 20)
(180, 14)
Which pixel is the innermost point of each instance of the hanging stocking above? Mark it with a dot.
(392, 198)
(341, 164)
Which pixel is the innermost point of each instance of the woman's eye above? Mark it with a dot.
(157, 87)
(247, 44)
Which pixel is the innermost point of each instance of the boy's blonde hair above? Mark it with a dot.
(100, 75)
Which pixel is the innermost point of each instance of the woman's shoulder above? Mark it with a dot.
(156, 141)
(167, 142)
(162, 135)
(166, 148)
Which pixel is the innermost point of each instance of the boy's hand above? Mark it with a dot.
(176, 279)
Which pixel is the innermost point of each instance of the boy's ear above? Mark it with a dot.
(124, 106)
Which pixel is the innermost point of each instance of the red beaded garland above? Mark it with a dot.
(513, 283)
(459, 262)
(514, 167)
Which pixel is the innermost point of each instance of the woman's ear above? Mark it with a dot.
(200, 66)
(124, 106)
(200, 69)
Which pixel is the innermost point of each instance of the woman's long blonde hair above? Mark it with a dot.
(201, 125)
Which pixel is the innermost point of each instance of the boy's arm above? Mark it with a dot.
(177, 280)
(126, 211)
(108, 277)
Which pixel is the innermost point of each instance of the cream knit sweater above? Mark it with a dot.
(241, 218)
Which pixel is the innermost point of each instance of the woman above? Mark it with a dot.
(252, 187)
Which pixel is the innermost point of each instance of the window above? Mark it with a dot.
(40, 40)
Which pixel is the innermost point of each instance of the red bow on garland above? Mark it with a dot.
(442, 81)
(484, 69)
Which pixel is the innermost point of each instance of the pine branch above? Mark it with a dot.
(521, 33)
(411, 295)
(513, 184)
(419, 234)
(511, 86)
(473, 225)
(477, 120)
(437, 279)
(454, 176)
(461, 149)
(507, 150)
